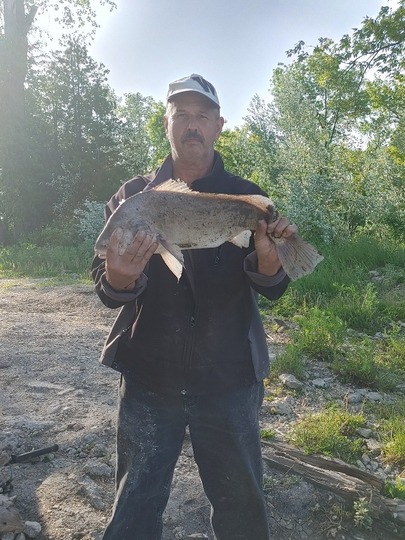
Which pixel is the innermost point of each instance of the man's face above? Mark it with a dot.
(192, 126)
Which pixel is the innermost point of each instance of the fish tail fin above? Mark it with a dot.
(172, 256)
(297, 257)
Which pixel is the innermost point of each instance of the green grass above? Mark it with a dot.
(290, 361)
(29, 260)
(395, 490)
(331, 433)
(369, 362)
(390, 424)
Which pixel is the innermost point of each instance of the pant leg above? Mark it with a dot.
(225, 435)
(150, 434)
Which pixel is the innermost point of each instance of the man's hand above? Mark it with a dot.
(268, 261)
(123, 270)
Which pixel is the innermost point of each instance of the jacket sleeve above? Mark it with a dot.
(272, 287)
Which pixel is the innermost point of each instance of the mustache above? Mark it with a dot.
(192, 135)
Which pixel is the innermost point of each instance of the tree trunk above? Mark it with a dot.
(13, 71)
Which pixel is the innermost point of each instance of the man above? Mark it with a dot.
(191, 353)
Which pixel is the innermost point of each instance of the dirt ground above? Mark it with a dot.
(53, 391)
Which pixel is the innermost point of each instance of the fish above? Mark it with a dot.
(183, 219)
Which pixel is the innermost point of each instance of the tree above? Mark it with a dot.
(135, 113)
(16, 146)
(80, 128)
(327, 107)
(156, 133)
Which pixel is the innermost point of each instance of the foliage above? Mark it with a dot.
(395, 490)
(331, 432)
(267, 434)
(393, 435)
(135, 113)
(361, 514)
(90, 220)
(156, 133)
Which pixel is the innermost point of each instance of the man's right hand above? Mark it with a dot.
(123, 270)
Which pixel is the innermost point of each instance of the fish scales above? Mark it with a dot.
(184, 219)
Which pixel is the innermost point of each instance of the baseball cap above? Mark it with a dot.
(193, 83)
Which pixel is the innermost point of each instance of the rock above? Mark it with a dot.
(355, 397)
(290, 381)
(320, 383)
(92, 492)
(98, 470)
(4, 457)
(32, 529)
(10, 519)
(374, 396)
(374, 447)
(8, 536)
(364, 432)
(279, 407)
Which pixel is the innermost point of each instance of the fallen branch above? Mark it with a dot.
(336, 476)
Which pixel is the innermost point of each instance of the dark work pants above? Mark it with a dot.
(225, 438)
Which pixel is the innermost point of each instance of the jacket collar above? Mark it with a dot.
(205, 183)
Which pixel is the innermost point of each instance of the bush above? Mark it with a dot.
(90, 220)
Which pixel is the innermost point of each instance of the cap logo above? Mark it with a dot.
(205, 85)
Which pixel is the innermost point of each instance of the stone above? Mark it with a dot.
(320, 383)
(364, 432)
(290, 381)
(32, 529)
(279, 407)
(374, 396)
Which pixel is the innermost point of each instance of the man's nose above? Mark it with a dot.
(192, 123)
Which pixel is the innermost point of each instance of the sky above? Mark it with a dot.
(235, 44)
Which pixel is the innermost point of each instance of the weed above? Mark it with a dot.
(331, 432)
(361, 364)
(267, 434)
(362, 518)
(357, 305)
(390, 418)
(290, 361)
(395, 490)
(321, 333)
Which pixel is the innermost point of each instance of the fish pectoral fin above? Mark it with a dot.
(172, 256)
(297, 257)
(242, 239)
(174, 185)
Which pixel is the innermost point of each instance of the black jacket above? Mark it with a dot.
(202, 334)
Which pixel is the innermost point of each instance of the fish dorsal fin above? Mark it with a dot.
(174, 186)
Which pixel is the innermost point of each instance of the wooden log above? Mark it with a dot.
(336, 476)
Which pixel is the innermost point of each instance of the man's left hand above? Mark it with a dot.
(268, 261)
